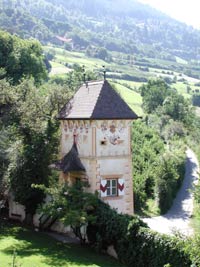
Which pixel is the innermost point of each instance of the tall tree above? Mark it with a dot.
(30, 119)
(21, 58)
(154, 94)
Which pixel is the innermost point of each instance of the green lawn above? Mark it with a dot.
(132, 98)
(181, 89)
(58, 68)
(35, 249)
(132, 84)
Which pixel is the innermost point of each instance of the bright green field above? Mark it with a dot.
(35, 249)
(181, 89)
(181, 61)
(133, 99)
(131, 84)
(63, 56)
(58, 68)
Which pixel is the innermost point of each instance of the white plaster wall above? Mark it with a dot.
(117, 203)
(16, 208)
(113, 166)
(36, 221)
(102, 159)
(57, 226)
(118, 168)
(121, 135)
(83, 130)
(60, 228)
(91, 169)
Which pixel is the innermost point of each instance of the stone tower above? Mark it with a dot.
(96, 143)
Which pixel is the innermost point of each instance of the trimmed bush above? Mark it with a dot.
(134, 243)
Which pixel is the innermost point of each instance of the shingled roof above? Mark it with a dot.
(96, 100)
(71, 162)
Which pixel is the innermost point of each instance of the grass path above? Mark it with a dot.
(35, 249)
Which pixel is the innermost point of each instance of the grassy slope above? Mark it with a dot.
(133, 99)
(95, 64)
(119, 65)
(182, 89)
(39, 250)
(58, 68)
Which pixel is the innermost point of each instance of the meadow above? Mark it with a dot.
(20, 247)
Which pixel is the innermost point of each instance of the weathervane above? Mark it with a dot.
(84, 74)
(104, 72)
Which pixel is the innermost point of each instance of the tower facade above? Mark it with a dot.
(96, 143)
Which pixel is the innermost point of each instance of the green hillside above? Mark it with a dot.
(128, 26)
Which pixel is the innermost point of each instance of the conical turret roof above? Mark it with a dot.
(71, 161)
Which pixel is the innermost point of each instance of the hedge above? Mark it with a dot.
(135, 244)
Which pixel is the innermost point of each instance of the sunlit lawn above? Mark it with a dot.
(132, 98)
(181, 89)
(58, 68)
(132, 84)
(35, 249)
(63, 56)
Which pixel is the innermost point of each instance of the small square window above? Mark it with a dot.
(112, 187)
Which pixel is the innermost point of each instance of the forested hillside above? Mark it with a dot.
(126, 26)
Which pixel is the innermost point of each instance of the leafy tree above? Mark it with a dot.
(4, 143)
(30, 117)
(7, 99)
(74, 78)
(72, 206)
(21, 58)
(178, 108)
(154, 93)
(147, 147)
(166, 103)
(157, 170)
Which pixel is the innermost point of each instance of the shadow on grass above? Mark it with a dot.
(52, 252)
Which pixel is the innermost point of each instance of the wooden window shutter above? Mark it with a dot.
(120, 187)
(103, 188)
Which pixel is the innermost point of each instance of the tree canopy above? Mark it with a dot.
(21, 59)
(29, 131)
(154, 94)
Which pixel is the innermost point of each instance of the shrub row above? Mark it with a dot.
(134, 243)
(127, 77)
(170, 174)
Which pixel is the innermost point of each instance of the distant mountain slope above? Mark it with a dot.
(38, 19)
(122, 25)
(96, 8)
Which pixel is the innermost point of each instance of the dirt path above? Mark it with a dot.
(178, 217)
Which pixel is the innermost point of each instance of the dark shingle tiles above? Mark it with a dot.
(71, 162)
(96, 100)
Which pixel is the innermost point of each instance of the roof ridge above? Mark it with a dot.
(93, 82)
(103, 82)
(96, 100)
